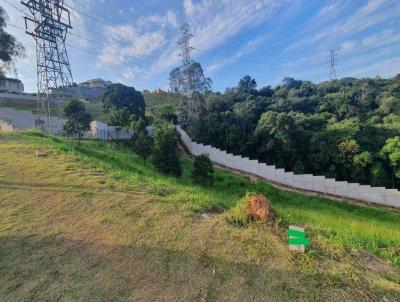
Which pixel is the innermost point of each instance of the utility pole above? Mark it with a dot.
(48, 23)
(332, 72)
(186, 109)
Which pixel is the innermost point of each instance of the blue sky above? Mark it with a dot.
(135, 42)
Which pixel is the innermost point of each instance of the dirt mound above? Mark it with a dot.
(260, 208)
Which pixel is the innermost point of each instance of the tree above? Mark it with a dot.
(176, 80)
(203, 170)
(363, 161)
(391, 151)
(10, 49)
(167, 113)
(143, 145)
(347, 151)
(120, 117)
(78, 120)
(166, 157)
(247, 84)
(196, 82)
(118, 96)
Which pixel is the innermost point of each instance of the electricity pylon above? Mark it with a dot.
(332, 72)
(48, 23)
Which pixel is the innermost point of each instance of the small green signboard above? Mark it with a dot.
(296, 239)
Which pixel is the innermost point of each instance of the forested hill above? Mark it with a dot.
(347, 129)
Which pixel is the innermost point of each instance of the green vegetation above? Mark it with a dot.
(95, 222)
(154, 100)
(344, 129)
(166, 157)
(203, 170)
(77, 119)
(10, 47)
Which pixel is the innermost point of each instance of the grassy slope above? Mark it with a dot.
(96, 108)
(95, 223)
(155, 100)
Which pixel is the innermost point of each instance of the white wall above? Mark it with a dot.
(22, 120)
(366, 193)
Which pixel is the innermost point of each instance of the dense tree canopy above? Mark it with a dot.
(9, 47)
(347, 129)
(119, 96)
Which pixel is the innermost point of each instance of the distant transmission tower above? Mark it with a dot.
(48, 24)
(186, 108)
(332, 72)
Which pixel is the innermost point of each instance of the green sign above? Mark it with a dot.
(297, 239)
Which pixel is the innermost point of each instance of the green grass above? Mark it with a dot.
(353, 227)
(153, 100)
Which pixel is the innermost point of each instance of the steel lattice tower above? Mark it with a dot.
(185, 103)
(332, 72)
(48, 24)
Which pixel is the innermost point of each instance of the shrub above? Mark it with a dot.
(143, 145)
(203, 170)
(239, 215)
(166, 157)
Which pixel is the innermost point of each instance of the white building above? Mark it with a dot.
(11, 85)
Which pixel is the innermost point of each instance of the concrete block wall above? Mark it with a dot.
(23, 120)
(309, 182)
(102, 131)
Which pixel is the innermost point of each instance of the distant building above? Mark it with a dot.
(145, 91)
(159, 91)
(11, 85)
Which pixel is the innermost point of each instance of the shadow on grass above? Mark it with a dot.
(53, 268)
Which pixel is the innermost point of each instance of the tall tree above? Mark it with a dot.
(10, 49)
(193, 80)
(247, 84)
(391, 151)
(78, 120)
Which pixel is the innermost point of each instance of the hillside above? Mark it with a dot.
(95, 108)
(154, 100)
(96, 223)
(347, 129)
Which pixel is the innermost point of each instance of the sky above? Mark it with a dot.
(135, 42)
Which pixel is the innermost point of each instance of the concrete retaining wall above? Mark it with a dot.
(102, 131)
(320, 184)
(23, 120)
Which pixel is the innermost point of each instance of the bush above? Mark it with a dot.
(239, 215)
(203, 170)
(166, 157)
(143, 145)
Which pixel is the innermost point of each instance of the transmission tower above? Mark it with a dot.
(332, 72)
(186, 108)
(48, 23)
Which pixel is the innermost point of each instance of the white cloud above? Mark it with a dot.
(246, 49)
(169, 19)
(125, 43)
(214, 22)
(374, 13)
